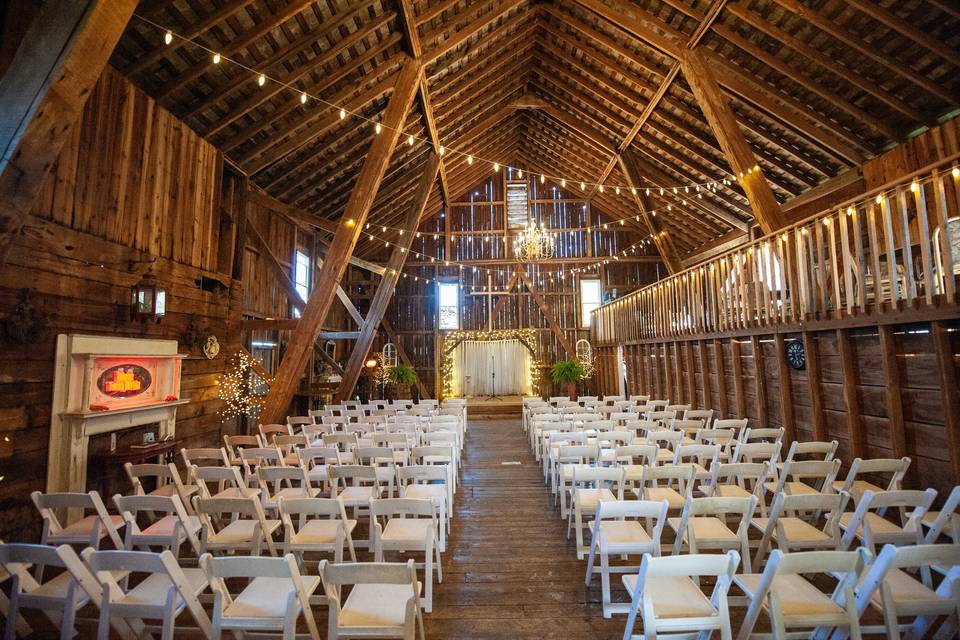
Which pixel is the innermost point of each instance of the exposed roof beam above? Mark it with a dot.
(43, 93)
(344, 240)
(716, 108)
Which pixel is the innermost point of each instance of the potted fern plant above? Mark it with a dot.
(403, 375)
(569, 372)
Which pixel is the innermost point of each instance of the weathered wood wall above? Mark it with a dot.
(880, 391)
(472, 233)
(134, 189)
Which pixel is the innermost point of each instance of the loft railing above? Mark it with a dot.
(892, 249)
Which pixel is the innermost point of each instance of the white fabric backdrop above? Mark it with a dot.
(474, 360)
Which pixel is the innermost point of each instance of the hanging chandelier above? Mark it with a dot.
(533, 243)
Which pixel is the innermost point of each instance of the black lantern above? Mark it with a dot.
(148, 301)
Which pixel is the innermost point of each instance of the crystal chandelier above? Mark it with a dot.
(533, 243)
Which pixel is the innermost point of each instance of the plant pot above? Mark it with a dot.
(572, 390)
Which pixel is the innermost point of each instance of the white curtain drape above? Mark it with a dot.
(475, 360)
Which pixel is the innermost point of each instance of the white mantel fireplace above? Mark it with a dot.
(104, 384)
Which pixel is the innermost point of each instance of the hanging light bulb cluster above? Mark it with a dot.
(534, 244)
(262, 79)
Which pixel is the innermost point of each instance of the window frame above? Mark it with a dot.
(584, 313)
(440, 306)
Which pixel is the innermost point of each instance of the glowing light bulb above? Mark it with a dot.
(303, 98)
(167, 38)
(410, 140)
(543, 178)
(343, 114)
(583, 186)
(216, 58)
(520, 173)
(496, 167)
(442, 150)
(377, 128)
(469, 159)
(563, 183)
(262, 80)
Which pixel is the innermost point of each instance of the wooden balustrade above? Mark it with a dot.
(887, 251)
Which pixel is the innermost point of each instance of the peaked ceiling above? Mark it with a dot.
(561, 88)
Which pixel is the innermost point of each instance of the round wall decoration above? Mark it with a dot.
(796, 356)
(211, 347)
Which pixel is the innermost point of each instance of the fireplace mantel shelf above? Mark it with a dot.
(86, 415)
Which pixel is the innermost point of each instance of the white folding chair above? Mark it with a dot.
(384, 600)
(166, 478)
(246, 529)
(872, 529)
(88, 530)
(410, 525)
(792, 601)
(174, 527)
(162, 594)
(790, 532)
(60, 597)
(591, 486)
(429, 482)
(667, 592)
(618, 530)
(316, 525)
(891, 588)
(283, 482)
(705, 524)
(856, 485)
(273, 600)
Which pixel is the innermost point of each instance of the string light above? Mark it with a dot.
(303, 98)
(262, 78)
(377, 128)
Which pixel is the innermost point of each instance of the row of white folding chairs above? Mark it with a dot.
(666, 593)
(704, 524)
(277, 594)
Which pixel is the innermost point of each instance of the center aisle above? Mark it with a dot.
(509, 571)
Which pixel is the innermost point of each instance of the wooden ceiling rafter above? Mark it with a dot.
(273, 90)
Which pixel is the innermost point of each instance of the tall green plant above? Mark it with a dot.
(402, 374)
(568, 372)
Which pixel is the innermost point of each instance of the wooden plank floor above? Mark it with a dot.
(509, 571)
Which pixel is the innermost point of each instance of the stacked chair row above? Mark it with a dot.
(248, 535)
(668, 495)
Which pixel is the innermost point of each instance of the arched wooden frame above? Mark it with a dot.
(452, 340)
(389, 355)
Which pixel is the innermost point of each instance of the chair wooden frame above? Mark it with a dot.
(248, 534)
(411, 525)
(245, 611)
(384, 600)
(88, 531)
(168, 532)
(668, 575)
(617, 530)
(316, 524)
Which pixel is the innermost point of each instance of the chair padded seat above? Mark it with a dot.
(317, 531)
(153, 589)
(164, 526)
(426, 491)
(241, 492)
(859, 488)
(792, 488)
(877, 523)
(376, 605)
(797, 596)
(906, 590)
(241, 531)
(589, 498)
(672, 496)
(731, 491)
(83, 527)
(267, 597)
(622, 532)
(356, 496)
(170, 489)
(795, 529)
(705, 528)
(673, 596)
(567, 470)
(403, 529)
